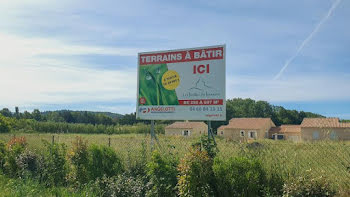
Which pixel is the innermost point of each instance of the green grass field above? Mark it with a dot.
(327, 158)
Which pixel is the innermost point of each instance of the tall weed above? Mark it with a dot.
(162, 173)
(55, 164)
(79, 158)
(195, 174)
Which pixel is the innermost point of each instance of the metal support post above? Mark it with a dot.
(210, 132)
(209, 129)
(152, 134)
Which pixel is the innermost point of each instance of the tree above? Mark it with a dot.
(36, 115)
(4, 124)
(6, 112)
(17, 112)
(27, 115)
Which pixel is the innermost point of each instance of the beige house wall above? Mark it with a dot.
(293, 136)
(193, 132)
(325, 133)
(230, 133)
(235, 134)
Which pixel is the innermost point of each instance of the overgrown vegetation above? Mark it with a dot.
(196, 174)
(308, 186)
(80, 167)
(4, 124)
(162, 173)
(32, 126)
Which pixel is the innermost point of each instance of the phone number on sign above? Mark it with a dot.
(205, 108)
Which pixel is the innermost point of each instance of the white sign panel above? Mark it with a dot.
(183, 84)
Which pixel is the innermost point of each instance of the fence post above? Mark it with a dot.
(53, 139)
(109, 141)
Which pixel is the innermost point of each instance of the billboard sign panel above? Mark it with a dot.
(183, 84)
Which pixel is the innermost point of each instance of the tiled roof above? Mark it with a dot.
(185, 125)
(321, 123)
(345, 124)
(249, 123)
(222, 127)
(286, 129)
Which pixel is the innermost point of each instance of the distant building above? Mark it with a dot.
(324, 128)
(186, 129)
(286, 132)
(246, 128)
(310, 129)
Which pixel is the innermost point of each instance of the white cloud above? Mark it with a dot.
(13, 47)
(25, 85)
(28, 78)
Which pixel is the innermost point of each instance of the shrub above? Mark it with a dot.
(275, 180)
(121, 186)
(55, 165)
(103, 161)
(30, 164)
(162, 173)
(3, 153)
(136, 162)
(17, 143)
(195, 174)
(207, 144)
(15, 147)
(239, 176)
(79, 158)
(307, 185)
(4, 124)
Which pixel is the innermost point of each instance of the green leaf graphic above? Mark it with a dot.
(151, 87)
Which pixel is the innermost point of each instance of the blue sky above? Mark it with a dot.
(82, 55)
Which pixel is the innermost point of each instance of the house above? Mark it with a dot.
(246, 128)
(310, 129)
(186, 129)
(324, 128)
(286, 132)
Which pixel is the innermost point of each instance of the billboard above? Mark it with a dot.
(183, 84)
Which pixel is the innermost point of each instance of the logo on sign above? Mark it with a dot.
(142, 100)
(144, 110)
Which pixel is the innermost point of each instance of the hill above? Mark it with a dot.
(109, 114)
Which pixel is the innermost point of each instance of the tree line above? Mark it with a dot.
(235, 108)
(249, 108)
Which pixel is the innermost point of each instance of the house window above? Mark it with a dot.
(278, 136)
(222, 132)
(315, 135)
(242, 133)
(185, 133)
(333, 135)
(252, 134)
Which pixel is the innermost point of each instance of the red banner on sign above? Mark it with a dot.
(182, 56)
(202, 102)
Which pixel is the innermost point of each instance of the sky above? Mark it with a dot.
(82, 55)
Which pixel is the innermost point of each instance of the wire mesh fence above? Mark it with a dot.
(327, 158)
